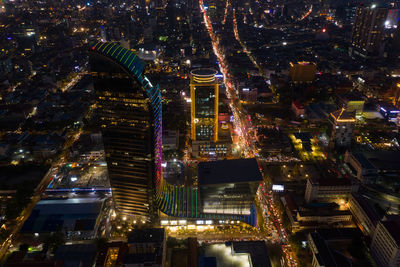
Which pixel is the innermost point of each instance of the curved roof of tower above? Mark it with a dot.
(204, 72)
(122, 55)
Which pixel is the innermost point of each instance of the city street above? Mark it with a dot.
(243, 128)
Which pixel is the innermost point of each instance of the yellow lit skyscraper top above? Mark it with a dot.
(204, 107)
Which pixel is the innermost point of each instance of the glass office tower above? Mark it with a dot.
(129, 111)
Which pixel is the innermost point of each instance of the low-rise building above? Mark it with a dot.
(342, 127)
(323, 254)
(368, 166)
(146, 247)
(211, 149)
(324, 217)
(336, 189)
(352, 101)
(385, 246)
(302, 71)
(170, 139)
(298, 109)
(364, 214)
(228, 186)
(78, 218)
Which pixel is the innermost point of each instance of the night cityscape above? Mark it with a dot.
(199, 133)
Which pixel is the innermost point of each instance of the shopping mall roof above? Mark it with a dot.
(228, 171)
(76, 214)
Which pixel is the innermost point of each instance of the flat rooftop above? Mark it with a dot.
(257, 250)
(384, 160)
(228, 171)
(153, 235)
(78, 214)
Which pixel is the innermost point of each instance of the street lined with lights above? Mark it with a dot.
(242, 127)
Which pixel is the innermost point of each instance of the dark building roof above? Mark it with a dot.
(393, 228)
(336, 234)
(384, 160)
(228, 171)
(153, 235)
(327, 256)
(137, 236)
(79, 214)
(363, 161)
(332, 181)
(76, 255)
(257, 250)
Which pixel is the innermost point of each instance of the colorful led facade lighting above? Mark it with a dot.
(130, 106)
(130, 114)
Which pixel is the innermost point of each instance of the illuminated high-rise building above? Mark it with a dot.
(130, 115)
(204, 106)
(368, 27)
(129, 110)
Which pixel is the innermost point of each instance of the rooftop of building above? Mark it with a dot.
(152, 235)
(78, 214)
(363, 161)
(229, 171)
(331, 181)
(354, 95)
(257, 250)
(327, 256)
(382, 160)
(145, 236)
(342, 115)
(393, 227)
(323, 213)
(303, 63)
(203, 72)
(76, 254)
(298, 104)
(336, 234)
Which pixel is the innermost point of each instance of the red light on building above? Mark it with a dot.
(324, 30)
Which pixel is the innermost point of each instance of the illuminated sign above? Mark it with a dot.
(278, 188)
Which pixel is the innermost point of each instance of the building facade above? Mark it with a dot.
(337, 189)
(368, 27)
(129, 113)
(342, 123)
(228, 186)
(204, 107)
(365, 216)
(385, 246)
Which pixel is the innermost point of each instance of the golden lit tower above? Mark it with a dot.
(204, 107)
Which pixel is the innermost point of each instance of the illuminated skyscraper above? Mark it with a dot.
(129, 110)
(367, 36)
(130, 115)
(204, 107)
